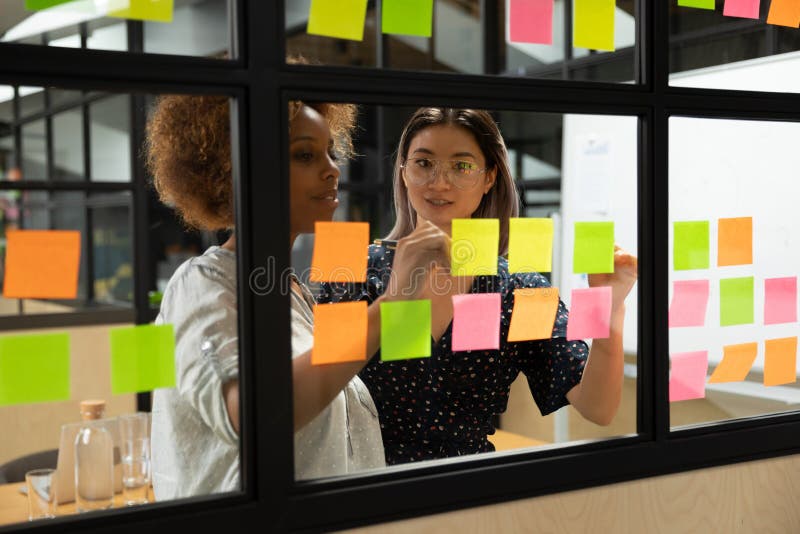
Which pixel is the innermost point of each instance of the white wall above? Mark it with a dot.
(599, 174)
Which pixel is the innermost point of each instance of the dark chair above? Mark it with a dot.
(14, 470)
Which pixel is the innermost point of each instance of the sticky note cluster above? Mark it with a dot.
(781, 12)
(688, 370)
(528, 21)
(340, 256)
(36, 368)
(345, 19)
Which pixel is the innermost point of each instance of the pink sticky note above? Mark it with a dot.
(780, 300)
(590, 313)
(687, 376)
(531, 21)
(689, 303)
(476, 321)
(747, 9)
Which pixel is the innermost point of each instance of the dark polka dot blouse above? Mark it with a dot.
(443, 405)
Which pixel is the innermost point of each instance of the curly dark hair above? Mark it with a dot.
(188, 153)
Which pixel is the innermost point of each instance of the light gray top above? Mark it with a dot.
(195, 449)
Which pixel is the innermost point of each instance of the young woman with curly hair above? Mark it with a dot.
(196, 424)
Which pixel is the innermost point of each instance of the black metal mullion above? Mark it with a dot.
(490, 22)
(567, 47)
(88, 237)
(657, 203)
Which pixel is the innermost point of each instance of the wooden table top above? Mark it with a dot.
(14, 504)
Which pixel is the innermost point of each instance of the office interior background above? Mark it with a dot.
(76, 154)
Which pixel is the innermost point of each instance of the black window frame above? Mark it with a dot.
(261, 84)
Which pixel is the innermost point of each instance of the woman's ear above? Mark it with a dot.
(491, 178)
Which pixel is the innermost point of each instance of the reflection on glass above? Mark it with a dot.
(68, 162)
(110, 138)
(711, 50)
(186, 27)
(441, 402)
(34, 151)
(733, 300)
(466, 39)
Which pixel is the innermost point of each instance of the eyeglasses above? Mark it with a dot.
(460, 173)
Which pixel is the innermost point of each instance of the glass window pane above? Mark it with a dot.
(110, 117)
(68, 164)
(465, 40)
(569, 169)
(711, 50)
(191, 27)
(34, 151)
(733, 263)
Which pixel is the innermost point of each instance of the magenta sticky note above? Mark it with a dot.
(590, 313)
(780, 300)
(747, 9)
(689, 303)
(476, 321)
(531, 21)
(687, 375)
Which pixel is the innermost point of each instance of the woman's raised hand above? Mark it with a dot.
(626, 272)
(417, 257)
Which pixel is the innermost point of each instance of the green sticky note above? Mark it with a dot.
(593, 24)
(338, 18)
(736, 301)
(405, 330)
(152, 10)
(474, 247)
(142, 358)
(407, 17)
(530, 245)
(700, 4)
(690, 245)
(34, 368)
(36, 5)
(594, 248)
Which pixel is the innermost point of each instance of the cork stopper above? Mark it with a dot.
(93, 409)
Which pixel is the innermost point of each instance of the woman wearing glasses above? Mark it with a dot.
(452, 163)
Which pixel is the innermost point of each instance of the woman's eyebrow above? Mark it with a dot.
(464, 155)
(423, 150)
(302, 138)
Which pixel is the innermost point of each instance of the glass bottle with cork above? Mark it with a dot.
(94, 460)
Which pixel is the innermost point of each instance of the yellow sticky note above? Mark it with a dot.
(530, 245)
(534, 313)
(780, 361)
(152, 10)
(474, 247)
(338, 18)
(593, 24)
(340, 333)
(736, 363)
(42, 264)
(340, 252)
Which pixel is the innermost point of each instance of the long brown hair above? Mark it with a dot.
(502, 200)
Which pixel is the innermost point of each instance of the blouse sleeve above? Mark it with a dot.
(371, 289)
(200, 303)
(552, 366)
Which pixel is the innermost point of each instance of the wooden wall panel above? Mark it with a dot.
(755, 497)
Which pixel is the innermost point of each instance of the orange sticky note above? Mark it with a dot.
(784, 13)
(340, 333)
(534, 313)
(340, 252)
(735, 242)
(42, 264)
(736, 363)
(780, 361)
